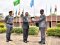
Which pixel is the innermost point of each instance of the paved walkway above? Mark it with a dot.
(33, 40)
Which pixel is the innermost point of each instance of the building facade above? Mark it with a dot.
(51, 21)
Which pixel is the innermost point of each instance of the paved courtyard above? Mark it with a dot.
(33, 40)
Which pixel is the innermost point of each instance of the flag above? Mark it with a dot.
(55, 8)
(23, 11)
(50, 9)
(19, 12)
(16, 2)
(16, 13)
(32, 3)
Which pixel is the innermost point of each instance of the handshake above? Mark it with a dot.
(35, 20)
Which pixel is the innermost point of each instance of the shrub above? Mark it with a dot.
(51, 32)
(2, 25)
(54, 32)
(2, 30)
(17, 30)
(58, 24)
(33, 30)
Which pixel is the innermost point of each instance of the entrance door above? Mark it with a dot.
(49, 24)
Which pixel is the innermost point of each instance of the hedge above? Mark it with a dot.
(58, 25)
(53, 32)
(33, 30)
(2, 25)
(2, 30)
(17, 30)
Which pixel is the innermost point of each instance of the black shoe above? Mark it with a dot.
(43, 42)
(40, 41)
(25, 41)
(7, 40)
(10, 40)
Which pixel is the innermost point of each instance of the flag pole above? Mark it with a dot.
(19, 15)
(16, 15)
(32, 5)
(34, 10)
(51, 14)
(46, 11)
(56, 14)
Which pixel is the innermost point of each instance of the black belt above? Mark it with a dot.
(10, 23)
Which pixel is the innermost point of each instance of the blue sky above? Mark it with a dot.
(6, 5)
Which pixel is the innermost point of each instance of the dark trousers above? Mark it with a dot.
(8, 32)
(42, 29)
(25, 34)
